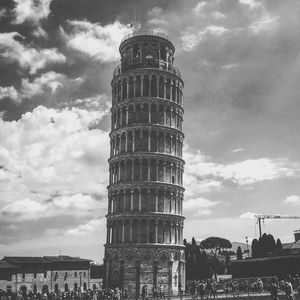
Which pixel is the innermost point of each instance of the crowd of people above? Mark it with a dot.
(211, 289)
(205, 289)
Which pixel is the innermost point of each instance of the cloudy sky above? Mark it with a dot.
(240, 60)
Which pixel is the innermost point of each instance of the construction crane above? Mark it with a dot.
(263, 217)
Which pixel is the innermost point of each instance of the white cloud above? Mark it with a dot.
(97, 41)
(50, 150)
(49, 83)
(23, 210)
(198, 9)
(230, 66)
(245, 172)
(191, 39)
(237, 150)
(292, 199)
(8, 92)
(86, 228)
(198, 206)
(265, 22)
(218, 15)
(252, 4)
(28, 58)
(31, 10)
(248, 215)
(27, 209)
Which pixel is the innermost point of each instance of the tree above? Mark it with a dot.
(278, 244)
(239, 254)
(254, 248)
(215, 244)
(197, 266)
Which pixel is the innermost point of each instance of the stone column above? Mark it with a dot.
(133, 141)
(121, 262)
(131, 200)
(155, 272)
(149, 114)
(134, 86)
(130, 230)
(170, 279)
(138, 278)
(126, 115)
(149, 140)
(140, 200)
(149, 168)
(127, 96)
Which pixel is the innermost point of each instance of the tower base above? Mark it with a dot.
(161, 268)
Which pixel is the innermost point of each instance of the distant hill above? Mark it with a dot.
(235, 246)
(243, 246)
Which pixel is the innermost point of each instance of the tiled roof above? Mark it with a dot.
(6, 265)
(295, 245)
(25, 260)
(65, 258)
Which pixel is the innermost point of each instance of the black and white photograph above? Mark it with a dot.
(149, 149)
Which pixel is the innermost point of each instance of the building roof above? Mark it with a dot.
(267, 258)
(65, 258)
(25, 260)
(294, 245)
(6, 265)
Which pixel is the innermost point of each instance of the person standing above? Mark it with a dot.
(274, 290)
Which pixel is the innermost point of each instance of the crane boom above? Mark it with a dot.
(260, 217)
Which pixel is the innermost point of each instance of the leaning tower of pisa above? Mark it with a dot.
(144, 245)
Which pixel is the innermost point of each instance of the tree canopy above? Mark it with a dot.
(239, 254)
(215, 244)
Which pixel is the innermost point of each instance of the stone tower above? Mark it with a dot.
(144, 222)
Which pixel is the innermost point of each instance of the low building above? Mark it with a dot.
(8, 274)
(48, 273)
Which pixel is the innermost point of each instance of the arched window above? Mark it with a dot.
(153, 114)
(152, 231)
(128, 201)
(160, 232)
(124, 96)
(160, 201)
(146, 86)
(144, 169)
(138, 86)
(75, 286)
(56, 288)
(135, 231)
(130, 87)
(161, 86)
(143, 231)
(153, 86)
(136, 200)
(127, 232)
(152, 170)
(136, 175)
(84, 286)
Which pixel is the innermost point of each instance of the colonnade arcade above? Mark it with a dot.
(145, 230)
(145, 200)
(157, 83)
(147, 113)
(146, 140)
(146, 169)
